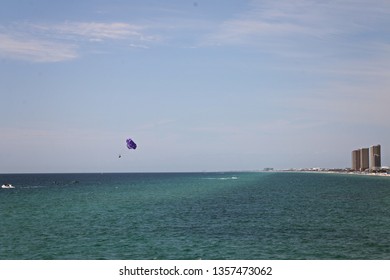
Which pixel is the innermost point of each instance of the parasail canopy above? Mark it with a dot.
(131, 144)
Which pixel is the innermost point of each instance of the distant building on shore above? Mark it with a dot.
(356, 159)
(375, 157)
(364, 158)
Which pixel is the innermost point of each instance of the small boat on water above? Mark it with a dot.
(7, 186)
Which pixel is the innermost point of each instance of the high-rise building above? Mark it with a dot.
(356, 160)
(375, 157)
(364, 159)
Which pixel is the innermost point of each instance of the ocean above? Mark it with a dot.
(169, 216)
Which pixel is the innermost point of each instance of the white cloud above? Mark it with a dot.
(35, 50)
(61, 42)
(96, 31)
(277, 26)
(247, 31)
(138, 46)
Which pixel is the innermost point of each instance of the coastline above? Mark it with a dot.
(360, 173)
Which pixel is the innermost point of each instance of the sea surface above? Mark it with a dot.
(281, 216)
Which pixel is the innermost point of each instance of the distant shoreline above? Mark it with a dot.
(360, 173)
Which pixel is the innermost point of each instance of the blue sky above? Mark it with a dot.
(199, 85)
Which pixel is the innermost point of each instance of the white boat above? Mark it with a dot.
(7, 186)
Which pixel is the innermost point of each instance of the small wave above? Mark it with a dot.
(221, 178)
(33, 187)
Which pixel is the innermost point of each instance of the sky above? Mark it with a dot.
(198, 85)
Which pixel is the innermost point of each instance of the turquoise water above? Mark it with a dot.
(195, 216)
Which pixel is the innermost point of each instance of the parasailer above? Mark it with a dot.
(131, 145)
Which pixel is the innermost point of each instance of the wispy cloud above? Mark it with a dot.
(279, 26)
(36, 50)
(322, 43)
(61, 42)
(96, 31)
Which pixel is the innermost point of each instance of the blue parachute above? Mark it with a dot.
(131, 144)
